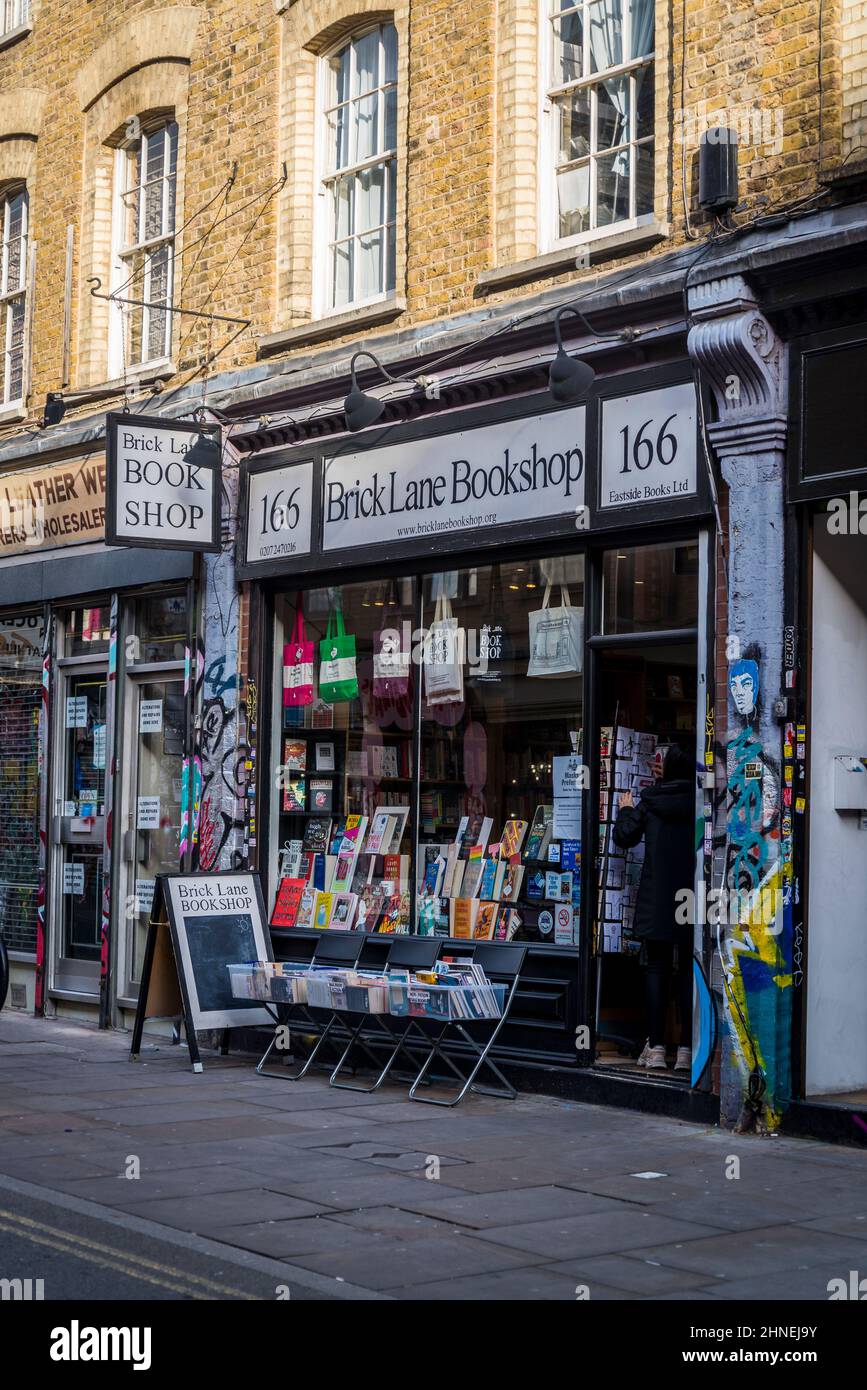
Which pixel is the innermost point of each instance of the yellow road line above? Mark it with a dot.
(23, 1225)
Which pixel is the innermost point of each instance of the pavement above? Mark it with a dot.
(144, 1180)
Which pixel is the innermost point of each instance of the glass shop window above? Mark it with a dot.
(460, 694)
(650, 588)
(87, 631)
(159, 628)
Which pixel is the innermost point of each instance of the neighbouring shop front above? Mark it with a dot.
(95, 738)
(529, 589)
(828, 487)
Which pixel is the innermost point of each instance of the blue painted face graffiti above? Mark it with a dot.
(744, 686)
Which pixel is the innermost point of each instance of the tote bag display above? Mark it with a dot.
(298, 666)
(338, 678)
(390, 664)
(443, 657)
(556, 637)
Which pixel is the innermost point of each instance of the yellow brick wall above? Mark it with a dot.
(469, 110)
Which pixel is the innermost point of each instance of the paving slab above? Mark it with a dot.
(595, 1234)
(769, 1251)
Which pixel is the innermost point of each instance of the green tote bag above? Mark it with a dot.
(338, 679)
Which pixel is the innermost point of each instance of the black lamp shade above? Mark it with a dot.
(569, 379)
(361, 410)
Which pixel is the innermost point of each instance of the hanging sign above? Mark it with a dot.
(648, 447)
(162, 484)
(279, 513)
(514, 471)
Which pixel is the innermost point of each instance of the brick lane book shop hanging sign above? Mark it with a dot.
(162, 484)
(199, 925)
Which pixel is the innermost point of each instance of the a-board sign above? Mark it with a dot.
(200, 924)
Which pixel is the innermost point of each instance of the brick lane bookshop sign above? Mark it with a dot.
(163, 484)
(493, 475)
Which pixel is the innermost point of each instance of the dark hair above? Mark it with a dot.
(678, 765)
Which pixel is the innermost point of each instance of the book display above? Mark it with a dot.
(629, 761)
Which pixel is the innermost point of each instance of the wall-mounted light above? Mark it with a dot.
(359, 408)
(569, 378)
(55, 409)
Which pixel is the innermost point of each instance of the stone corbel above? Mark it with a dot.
(744, 361)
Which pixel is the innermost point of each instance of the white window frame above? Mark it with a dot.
(14, 14)
(323, 226)
(549, 130)
(123, 255)
(10, 295)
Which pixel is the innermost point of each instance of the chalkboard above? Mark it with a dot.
(200, 924)
(217, 920)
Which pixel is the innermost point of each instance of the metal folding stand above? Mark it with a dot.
(342, 951)
(503, 961)
(405, 953)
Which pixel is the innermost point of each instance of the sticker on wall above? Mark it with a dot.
(73, 879)
(148, 813)
(150, 717)
(753, 771)
(546, 922)
(76, 711)
(800, 805)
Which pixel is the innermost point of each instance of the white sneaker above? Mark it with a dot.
(656, 1059)
(684, 1059)
(642, 1060)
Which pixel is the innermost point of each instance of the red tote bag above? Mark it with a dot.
(298, 665)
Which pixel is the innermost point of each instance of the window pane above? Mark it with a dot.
(343, 197)
(391, 118)
(568, 38)
(370, 198)
(363, 131)
(338, 138)
(644, 180)
(342, 274)
(642, 16)
(366, 63)
(159, 627)
(86, 631)
(606, 35)
(389, 41)
(574, 125)
(612, 107)
(368, 266)
(573, 194)
(15, 356)
(650, 587)
(20, 705)
(644, 102)
(612, 188)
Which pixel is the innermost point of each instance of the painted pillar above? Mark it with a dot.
(744, 363)
(218, 832)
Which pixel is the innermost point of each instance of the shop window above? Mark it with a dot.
(469, 706)
(358, 187)
(13, 292)
(146, 195)
(20, 705)
(599, 114)
(649, 588)
(159, 628)
(87, 631)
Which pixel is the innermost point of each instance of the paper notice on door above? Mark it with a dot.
(76, 711)
(144, 894)
(568, 775)
(99, 745)
(148, 813)
(73, 879)
(70, 808)
(563, 925)
(150, 717)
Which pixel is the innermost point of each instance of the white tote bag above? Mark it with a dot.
(556, 637)
(444, 657)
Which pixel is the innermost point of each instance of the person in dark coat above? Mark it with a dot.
(665, 818)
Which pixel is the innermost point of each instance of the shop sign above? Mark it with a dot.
(280, 513)
(163, 484)
(648, 447)
(511, 472)
(55, 505)
(21, 641)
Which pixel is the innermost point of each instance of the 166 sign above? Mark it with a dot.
(162, 484)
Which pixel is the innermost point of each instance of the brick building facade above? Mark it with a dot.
(431, 182)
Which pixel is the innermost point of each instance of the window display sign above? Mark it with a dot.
(163, 484)
(76, 711)
(280, 513)
(150, 717)
(512, 471)
(648, 447)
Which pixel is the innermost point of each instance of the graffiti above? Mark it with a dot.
(755, 953)
(216, 680)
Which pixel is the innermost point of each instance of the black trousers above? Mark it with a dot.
(660, 969)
